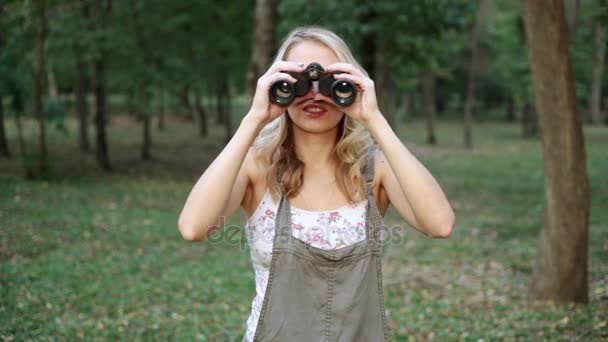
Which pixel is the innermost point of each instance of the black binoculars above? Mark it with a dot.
(343, 92)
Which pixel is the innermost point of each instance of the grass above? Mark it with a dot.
(86, 255)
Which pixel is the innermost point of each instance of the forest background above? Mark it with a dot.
(110, 110)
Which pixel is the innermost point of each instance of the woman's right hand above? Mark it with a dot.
(262, 109)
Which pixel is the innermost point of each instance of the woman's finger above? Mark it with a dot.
(285, 66)
(277, 76)
(363, 83)
(344, 67)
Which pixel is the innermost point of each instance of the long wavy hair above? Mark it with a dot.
(275, 144)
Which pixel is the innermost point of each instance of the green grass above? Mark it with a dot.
(94, 256)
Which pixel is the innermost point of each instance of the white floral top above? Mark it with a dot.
(329, 230)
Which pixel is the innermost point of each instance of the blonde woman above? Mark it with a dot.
(315, 187)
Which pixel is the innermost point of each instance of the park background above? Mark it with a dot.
(110, 110)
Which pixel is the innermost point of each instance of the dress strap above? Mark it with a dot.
(283, 215)
(369, 166)
(374, 224)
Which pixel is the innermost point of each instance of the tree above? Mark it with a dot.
(143, 79)
(595, 99)
(103, 10)
(572, 14)
(81, 83)
(4, 150)
(429, 87)
(509, 68)
(15, 75)
(39, 15)
(560, 273)
(264, 40)
(470, 97)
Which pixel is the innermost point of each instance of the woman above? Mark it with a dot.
(315, 189)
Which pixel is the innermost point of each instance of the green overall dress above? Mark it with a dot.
(325, 295)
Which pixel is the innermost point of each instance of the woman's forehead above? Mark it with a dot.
(310, 51)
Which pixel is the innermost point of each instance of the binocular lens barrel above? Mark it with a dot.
(282, 93)
(343, 92)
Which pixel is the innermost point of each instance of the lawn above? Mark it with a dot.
(94, 256)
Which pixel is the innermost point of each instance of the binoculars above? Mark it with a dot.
(343, 92)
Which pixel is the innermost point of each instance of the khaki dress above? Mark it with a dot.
(314, 294)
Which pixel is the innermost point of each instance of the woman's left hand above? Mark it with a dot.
(365, 108)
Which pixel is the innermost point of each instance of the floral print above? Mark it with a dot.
(329, 230)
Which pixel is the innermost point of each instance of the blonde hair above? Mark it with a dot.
(275, 143)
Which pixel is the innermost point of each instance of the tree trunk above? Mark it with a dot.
(510, 110)
(529, 121)
(560, 273)
(146, 145)
(384, 87)
(142, 95)
(219, 114)
(29, 172)
(103, 159)
(416, 103)
(374, 62)
(4, 151)
(223, 107)
(572, 13)
(406, 105)
(52, 83)
(184, 99)
(595, 99)
(263, 42)
(203, 125)
(160, 111)
(147, 142)
(369, 46)
(604, 113)
(429, 87)
(82, 107)
(38, 74)
(81, 90)
(470, 99)
(99, 89)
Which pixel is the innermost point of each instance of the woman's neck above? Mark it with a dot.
(315, 148)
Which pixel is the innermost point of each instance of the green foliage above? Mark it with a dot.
(414, 35)
(508, 54)
(583, 48)
(14, 84)
(157, 46)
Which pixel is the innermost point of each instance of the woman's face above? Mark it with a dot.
(313, 112)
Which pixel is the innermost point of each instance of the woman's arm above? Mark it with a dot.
(220, 190)
(410, 187)
(221, 186)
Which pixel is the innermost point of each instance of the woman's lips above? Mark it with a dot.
(314, 110)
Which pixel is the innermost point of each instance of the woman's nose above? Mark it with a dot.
(315, 91)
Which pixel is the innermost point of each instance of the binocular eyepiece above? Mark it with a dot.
(343, 92)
